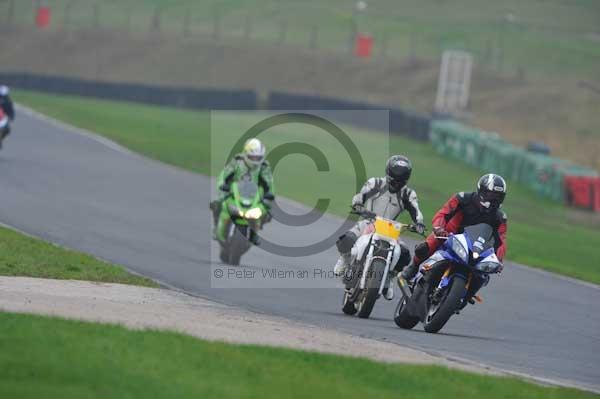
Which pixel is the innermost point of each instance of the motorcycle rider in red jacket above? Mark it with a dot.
(460, 211)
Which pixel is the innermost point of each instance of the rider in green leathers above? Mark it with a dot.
(251, 161)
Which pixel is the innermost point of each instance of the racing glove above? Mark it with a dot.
(358, 208)
(420, 228)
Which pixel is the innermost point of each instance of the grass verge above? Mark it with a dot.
(50, 357)
(541, 233)
(21, 255)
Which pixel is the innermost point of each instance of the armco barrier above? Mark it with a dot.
(400, 122)
(141, 93)
(551, 177)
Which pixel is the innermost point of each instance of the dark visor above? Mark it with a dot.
(397, 183)
(492, 196)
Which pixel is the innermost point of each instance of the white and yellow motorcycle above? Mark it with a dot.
(373, 256)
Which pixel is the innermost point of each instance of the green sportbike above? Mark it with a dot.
(242, 215)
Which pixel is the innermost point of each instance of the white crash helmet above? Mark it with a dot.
(4, 90)
(254, 152)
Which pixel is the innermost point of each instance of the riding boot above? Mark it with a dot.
(388, 289)
(342, 264)
(254, 238)
(409, 272)
(215, 207)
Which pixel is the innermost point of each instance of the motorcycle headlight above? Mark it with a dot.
(488, 267)
(459, 250)
(254, 213)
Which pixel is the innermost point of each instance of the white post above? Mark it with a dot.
(454, 82)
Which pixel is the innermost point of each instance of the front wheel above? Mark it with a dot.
(439, 314)
(237, 246)
(371, 292)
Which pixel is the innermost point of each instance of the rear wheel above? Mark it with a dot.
(369, 295)
(403, 318)
(439, 314)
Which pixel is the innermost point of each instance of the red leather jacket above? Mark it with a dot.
(462, 210)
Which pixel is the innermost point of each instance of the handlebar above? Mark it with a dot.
(413, 228)
(364, 213)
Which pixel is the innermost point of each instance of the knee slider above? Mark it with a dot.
(346, 242)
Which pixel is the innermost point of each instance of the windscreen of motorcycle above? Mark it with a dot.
(247, 189)
(482, 236)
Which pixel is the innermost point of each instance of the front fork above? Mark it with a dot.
(369, 261)
(445, 280)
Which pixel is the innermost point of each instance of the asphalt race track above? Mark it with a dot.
(90, 195)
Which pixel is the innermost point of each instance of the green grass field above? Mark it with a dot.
(555, 37)
(540, 232)
(50, 357)
(21, 255)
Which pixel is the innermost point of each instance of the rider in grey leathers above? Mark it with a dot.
(387, 197)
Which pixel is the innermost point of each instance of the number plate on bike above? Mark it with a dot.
(387, 228)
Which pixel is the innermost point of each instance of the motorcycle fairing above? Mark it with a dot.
(363, 242)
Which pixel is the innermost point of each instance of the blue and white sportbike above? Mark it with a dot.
(442, 286)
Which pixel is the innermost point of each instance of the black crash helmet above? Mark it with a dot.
(491, 190)
(397, 170)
